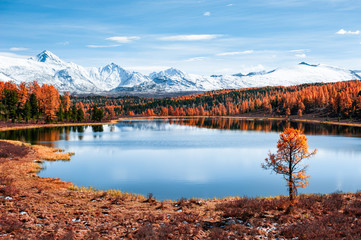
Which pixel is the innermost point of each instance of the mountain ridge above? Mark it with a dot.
(47, 68)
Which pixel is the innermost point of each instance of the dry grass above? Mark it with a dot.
(51, 154)
(114, 193)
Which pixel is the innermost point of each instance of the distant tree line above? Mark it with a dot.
(32, 102)
(340, 99)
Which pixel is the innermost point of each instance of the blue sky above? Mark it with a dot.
(197, 36)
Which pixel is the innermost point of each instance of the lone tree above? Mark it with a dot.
(292, 148)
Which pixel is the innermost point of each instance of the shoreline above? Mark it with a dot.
(56, 125)
(316, 121)
(114, 121)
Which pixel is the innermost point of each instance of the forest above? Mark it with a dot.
(340, 100)
(32, 102)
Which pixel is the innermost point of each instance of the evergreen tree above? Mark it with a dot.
(2, 111)
(97, 114)
(74, 113)
(27, 111)
(60, 113)
(11, 103)
(34, 106)
(67, 115)
(80, 115)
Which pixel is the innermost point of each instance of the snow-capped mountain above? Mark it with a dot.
(173, 80)
(112, 76)
(47, 68)
(48, 57)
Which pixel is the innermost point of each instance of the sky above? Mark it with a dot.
(197, 36)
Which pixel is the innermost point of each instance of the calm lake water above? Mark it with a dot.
(202, 158)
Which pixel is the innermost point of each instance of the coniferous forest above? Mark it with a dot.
(340, 100)
(35, 103)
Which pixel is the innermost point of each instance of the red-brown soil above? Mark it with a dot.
(43, 208)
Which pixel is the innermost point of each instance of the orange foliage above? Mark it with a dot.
(338, 99)
(50, 100)
(66, 101)
(23, 94)
(292, 148)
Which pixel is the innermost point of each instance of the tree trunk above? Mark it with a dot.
(290, 187)
(290, 190)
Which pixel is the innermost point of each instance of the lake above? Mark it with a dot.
(202, 158)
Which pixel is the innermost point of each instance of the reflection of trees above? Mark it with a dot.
(47, 136)
(42, 136)
(98, 128)
(246, 125)
(269, 126)
(80, 129)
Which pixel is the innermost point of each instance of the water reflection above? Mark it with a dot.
(98, 128)
(269, 126)
(44, 136)
(205, 157)
(47, 136)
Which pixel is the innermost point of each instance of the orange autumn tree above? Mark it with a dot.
(51, 101)
(292, 148)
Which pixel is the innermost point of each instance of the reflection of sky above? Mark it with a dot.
(174, 161)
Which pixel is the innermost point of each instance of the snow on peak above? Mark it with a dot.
(168, 74)
(112, 68)
(48, 57)
(263, 72)
(307, 64)
(174, 71)
(47, 68)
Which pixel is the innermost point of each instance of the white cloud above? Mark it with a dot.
(244, 69)
(64, 43)
(15, 49)
(123, 39)
(229, 5)
(195, 59)
(235, 53)
(146, 69)
(13, 55)
(302, 55)
(194, 37)
(118, 39)
(225, 71)
(207, 14)
(102, 46)
(344, 32)
(256, 68)
(299, 50)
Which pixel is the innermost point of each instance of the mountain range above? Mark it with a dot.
(47, 68)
